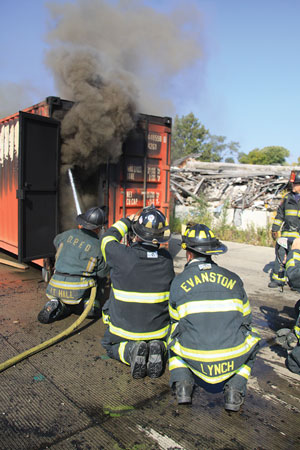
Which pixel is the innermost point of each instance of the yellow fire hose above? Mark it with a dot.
(55, 339)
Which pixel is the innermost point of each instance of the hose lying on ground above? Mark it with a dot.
(55, 339)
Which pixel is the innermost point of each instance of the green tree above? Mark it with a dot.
(188, 136)
(191, 137)
(266, 156)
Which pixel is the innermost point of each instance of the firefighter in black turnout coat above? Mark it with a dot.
(290, 339)
(287, 221)
(212, 341)
(137, 310)
(79, 266)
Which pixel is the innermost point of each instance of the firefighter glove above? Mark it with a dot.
(286, 338)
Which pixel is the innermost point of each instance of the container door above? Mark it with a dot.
(38, 186)
(143, 169)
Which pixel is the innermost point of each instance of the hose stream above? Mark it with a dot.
(12, 361)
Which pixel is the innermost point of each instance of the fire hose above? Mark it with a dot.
(10, 362)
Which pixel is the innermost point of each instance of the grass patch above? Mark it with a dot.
(251, 235)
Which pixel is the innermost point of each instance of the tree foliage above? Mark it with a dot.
(265, 156)
(191, 137)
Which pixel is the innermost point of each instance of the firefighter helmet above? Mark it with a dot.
(200, 239)
(93, 218)
(152, 226)
(295, 177)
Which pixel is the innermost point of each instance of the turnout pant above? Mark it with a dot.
(119, 350)
(237, 381)
(277, 268)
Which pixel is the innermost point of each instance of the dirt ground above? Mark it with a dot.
(71, 396)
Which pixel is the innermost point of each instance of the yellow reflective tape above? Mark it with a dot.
(69, 302)
(178, 363)
(290, 263)
(91, 264)
(121, 227)
(290, 234)
(73, 286)
(202, 234)
(141, 297)
(105, 317)
(104, 243)
(291, 212)
(121, 352)
(247, 308)
(211, 233)
(210, 306)
(276, 277)
(173, 313)
(244, 371)
(159, 334)
(192, 234)
(216, 355)
(296, 256)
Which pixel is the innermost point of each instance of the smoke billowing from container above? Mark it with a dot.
(123, 54)
(103, 113)
(114, 59)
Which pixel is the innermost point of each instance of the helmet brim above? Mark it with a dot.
(222, 248)
(152, 237)
(84, 224)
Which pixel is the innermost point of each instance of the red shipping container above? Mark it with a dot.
(30, 169)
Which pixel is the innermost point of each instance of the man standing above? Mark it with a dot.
(288, 221)
(137, 309)
(212, 340)
(79, 266)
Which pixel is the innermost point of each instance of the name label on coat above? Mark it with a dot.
(207, 277)
(152, 255)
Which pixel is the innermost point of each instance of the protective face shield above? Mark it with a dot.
(93, 218)
(200, 239)
(152, 226)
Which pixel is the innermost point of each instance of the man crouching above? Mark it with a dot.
(211, 340)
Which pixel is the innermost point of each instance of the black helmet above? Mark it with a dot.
(93, 218)
(200, 239)
(152, 226)
(295, 177)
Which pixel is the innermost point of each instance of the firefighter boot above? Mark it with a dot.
(138, 359)
(155, 365)
(184, 391)
(50, 311)
(273, 284)
(233, 399)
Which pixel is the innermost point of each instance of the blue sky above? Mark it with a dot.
(245, 84)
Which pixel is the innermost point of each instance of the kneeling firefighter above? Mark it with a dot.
(212, 341)
(79, 266)
(137, 310)
(290, 339)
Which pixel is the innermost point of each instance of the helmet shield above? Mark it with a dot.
(152, 226)
(93, 218)
(200, 239)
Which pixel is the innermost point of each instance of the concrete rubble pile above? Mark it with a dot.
(241, 186)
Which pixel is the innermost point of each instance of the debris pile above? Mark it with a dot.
(241, 185)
